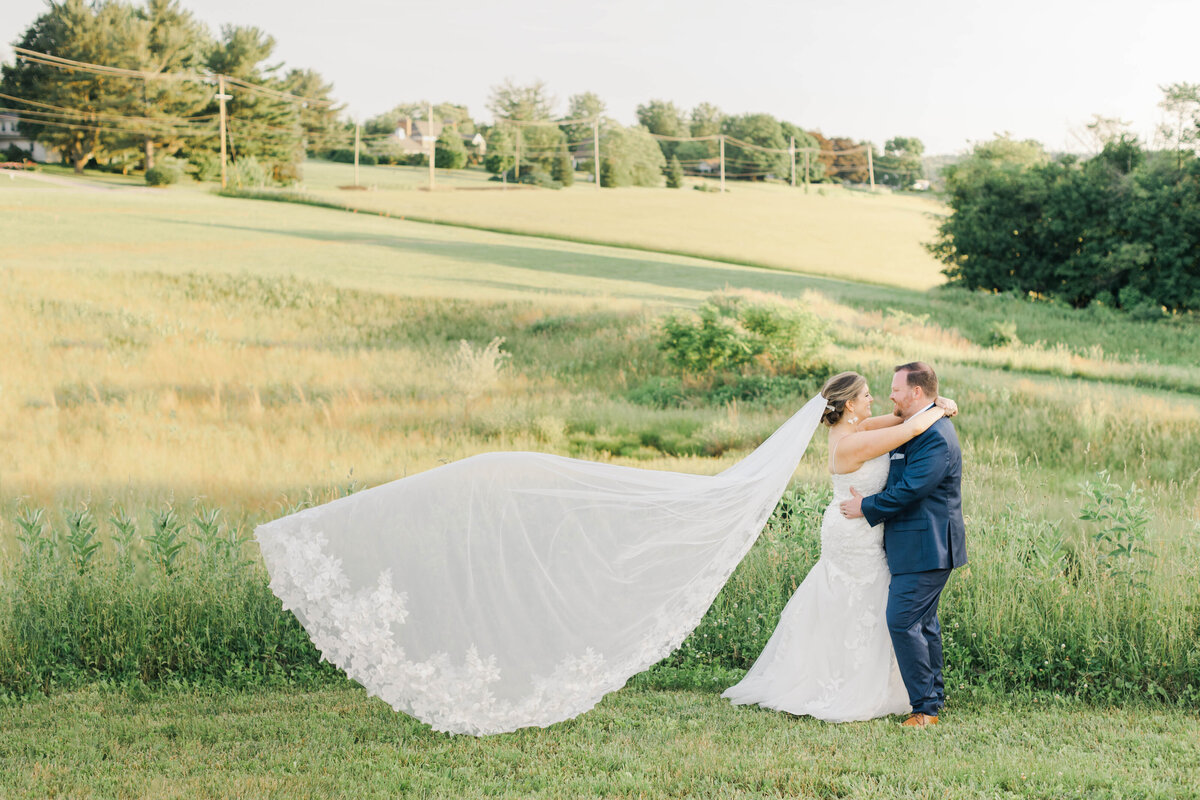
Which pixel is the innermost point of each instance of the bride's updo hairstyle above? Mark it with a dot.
(839, 390)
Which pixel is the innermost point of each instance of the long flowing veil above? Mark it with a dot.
(515, 589)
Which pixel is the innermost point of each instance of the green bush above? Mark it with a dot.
(449, 152)
(346, 156)
(166, 172)
(204, 165)
(734, 329)
(247, 173)
(1122, 228)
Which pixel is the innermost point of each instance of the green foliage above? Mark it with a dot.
(1123, 520)
(1002, 333)
(901, 163)
(449, 151)
(1121, 229)
(185, 603)
(630, 157)
(732, 330)
(563, 170)
(674, 173)
(762, 130)
(247, 173)
(345, 155)
(166, 172)
(501, 153)
(204, 165)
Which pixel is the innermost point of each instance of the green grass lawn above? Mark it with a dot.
(638, 743)
(170, 343)
(829, 231)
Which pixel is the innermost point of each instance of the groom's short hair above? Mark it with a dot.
(921, 374)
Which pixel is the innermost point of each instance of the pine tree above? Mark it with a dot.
(674, 174)
(563, 170)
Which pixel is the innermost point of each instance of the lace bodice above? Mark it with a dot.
(852, 545)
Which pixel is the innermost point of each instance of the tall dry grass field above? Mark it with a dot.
(173, 347)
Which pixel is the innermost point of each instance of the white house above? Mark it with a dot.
(420, 135)
(10, 135)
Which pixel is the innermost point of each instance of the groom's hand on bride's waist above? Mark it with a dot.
(852, 508)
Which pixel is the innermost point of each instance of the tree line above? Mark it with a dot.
(1119, 229)
(137, 121)
(126, 121)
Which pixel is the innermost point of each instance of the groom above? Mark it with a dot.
(923, 534)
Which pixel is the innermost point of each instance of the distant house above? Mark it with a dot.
(420, 136)
(582, 155)
(921, 185)
(10, 135)
(709, 165)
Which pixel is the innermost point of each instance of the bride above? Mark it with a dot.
(831, 655)
(509, 590)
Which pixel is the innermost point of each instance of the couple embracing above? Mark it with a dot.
(860, 637)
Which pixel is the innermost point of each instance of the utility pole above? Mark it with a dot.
(596, 147)
(722, 162)
(807, 155)
(432, 145)
(222, 97)
(871, 166)
(356, 140)
(518, 165)
(792, 152)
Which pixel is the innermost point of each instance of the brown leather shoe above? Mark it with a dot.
(919, 721)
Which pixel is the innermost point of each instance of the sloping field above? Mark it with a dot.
(829, 231)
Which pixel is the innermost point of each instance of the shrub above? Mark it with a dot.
(166, 172)
(449, 152)
(204, 165)
(346, 156)
(734, 329)
(247, 173)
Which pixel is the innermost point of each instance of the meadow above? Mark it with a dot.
(180, 366)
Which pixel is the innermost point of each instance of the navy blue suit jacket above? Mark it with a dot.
(921, 505)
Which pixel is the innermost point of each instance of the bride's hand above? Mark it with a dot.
(947, 405)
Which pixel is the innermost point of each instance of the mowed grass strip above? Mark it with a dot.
(636, 743)
(828, 231)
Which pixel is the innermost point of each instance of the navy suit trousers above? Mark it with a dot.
(917, 636)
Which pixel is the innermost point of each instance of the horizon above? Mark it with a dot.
(1114, 71)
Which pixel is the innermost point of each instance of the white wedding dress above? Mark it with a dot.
(509, 590)
(831, 655)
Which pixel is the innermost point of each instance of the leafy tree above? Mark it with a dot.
(901, 163)
(1121, 229)
(500, 151)
(705, 120)
(511, 101)
(663, 118)
(1181, 102)
(563, 170)
(587, 105)
(102, 33)
(630, 157)
(845, 160)
(804, 141)
(449, 152)
(674, 174)
(756, 129)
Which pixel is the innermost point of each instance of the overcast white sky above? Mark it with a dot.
(948, 72)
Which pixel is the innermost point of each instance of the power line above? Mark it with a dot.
(46, 59)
